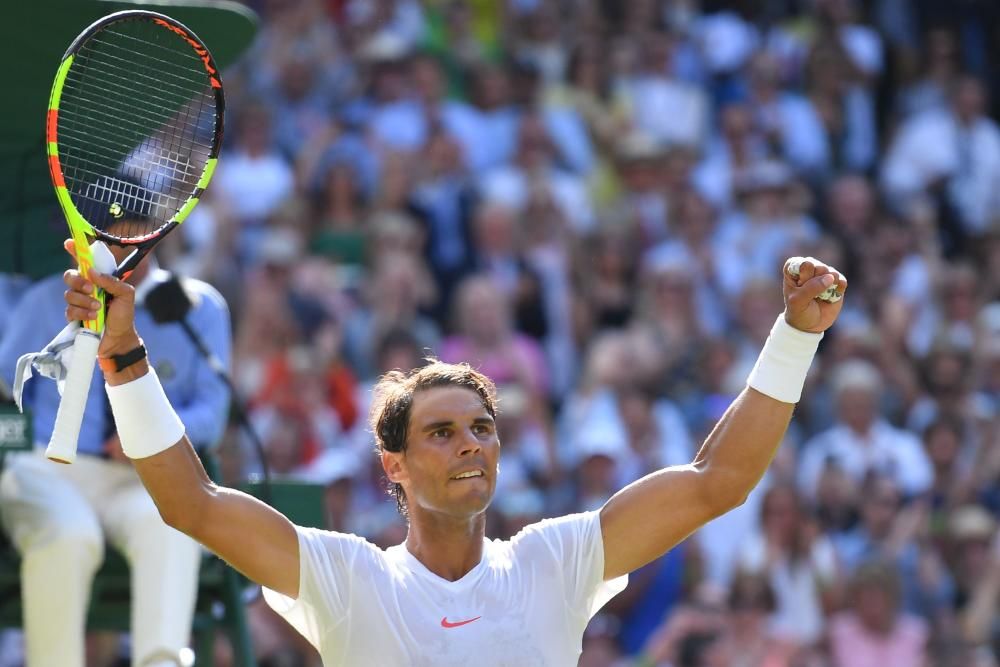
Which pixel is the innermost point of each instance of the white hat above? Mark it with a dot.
(856, 374)
(601, 438)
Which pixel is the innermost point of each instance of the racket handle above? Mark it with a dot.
(69, 418)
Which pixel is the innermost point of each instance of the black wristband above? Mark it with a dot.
(120, 362)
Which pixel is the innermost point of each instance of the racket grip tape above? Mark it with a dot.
(69, 418)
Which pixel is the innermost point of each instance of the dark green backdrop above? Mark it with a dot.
(36, 36)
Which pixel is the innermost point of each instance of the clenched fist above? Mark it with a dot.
(803, 309)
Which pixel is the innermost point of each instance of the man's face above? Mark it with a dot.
(450, 433)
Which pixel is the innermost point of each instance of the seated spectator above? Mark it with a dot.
(958, 147)
(670, 111)
(534, 167)
(971, 540)
(789, 124)
(875, 632)
(605, 280)
(486, 339)
(588, 90)
(891, 532)
(846, 111)
(939, 68)
(398, 288)
(758, 235)
(254, 179)
(641, 208)
(498, 246)
(799, 564)
(751, 641)
(670, 317)
(736, 145)
(487, 128)
(530, 457)
(948, 392)
(397, 120)
(861, 441)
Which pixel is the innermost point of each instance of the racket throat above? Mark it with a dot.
(126, 268)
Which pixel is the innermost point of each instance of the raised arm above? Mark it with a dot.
(254, 538)
(648, 517)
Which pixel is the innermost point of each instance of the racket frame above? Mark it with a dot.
(79, 227)
(62, 446)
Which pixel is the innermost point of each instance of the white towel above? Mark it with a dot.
(55, 358)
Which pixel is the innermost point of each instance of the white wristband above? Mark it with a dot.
(146, 422)
(782, 365)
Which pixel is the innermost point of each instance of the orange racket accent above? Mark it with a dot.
(51, 124)
(55, 170)
(200, 50)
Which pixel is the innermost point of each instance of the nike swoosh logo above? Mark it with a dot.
(445, 623)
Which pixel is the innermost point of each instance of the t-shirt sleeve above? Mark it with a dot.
(329, 564)
(575, 544)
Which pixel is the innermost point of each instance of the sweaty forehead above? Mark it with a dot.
(440, 404)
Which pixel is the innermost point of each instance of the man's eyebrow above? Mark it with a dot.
(433, 426)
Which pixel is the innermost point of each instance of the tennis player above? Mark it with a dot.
(448, 596)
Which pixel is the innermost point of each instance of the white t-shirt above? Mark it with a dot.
(525, 604)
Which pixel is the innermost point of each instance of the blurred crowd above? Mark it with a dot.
(591, 201)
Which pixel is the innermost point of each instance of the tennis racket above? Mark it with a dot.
(133, 133)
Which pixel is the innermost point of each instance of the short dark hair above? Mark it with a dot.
(392, 400)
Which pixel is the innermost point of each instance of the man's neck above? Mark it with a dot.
(447, 546)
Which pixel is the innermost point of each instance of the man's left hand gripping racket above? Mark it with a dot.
(133, 132)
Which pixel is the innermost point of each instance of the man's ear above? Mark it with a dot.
(392, 464)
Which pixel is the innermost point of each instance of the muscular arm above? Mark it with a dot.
(256, 539)
(252, 537)
(645, 519)
(650, 516)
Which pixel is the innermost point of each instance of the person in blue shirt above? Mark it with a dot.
(59, 517)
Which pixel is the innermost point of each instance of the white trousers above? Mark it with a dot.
(59, 516)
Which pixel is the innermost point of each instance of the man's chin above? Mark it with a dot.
(473, 502)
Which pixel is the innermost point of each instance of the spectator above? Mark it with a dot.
(800, 566)
(875, 632)
(399, 288)
(786, 120)
(861, 441)
(956, 149)
(255, 179)
(845, 109)
(895, 534)
(763, 228)
(669, 111)
(486, 338)
(534, 168)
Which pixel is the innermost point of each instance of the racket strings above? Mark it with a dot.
(135, 127)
